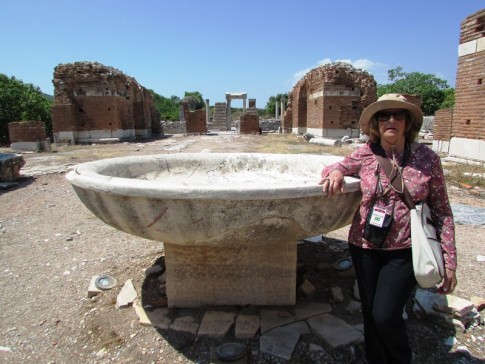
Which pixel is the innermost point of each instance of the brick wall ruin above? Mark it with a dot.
(28, 136)
(93, 102)
(328, 101)
(26, 131)
(466, 138)
(195, 121)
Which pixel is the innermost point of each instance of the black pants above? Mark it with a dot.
(386, 280)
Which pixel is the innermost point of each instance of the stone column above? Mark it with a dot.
(228, 113)
(244, 104)
(207, 111)
(276, 112)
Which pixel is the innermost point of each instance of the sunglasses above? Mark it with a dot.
(386, 116)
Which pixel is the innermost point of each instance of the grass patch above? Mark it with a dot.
(465, 173)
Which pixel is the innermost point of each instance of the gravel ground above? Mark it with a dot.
(51, 246)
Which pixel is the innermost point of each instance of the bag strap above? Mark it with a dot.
(397, 183)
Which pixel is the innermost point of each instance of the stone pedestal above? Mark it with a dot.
(235, 274)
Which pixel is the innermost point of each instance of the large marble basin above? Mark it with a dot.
(229, 222)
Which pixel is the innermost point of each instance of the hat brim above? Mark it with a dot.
(372, 109)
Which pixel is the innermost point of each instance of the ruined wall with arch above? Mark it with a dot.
(328, 101)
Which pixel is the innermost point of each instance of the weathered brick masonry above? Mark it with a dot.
(93, 102)
(466, 121)
(328, 101)
(26, 131)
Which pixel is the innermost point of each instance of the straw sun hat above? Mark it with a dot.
(391, 101)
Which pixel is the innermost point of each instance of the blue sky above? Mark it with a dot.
(262, 47)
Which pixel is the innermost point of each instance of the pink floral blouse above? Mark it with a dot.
(423, 176)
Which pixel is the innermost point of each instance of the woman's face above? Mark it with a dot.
(392, 124)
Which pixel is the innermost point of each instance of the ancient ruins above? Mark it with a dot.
(460, 131)
(94, 102)
(328, 101)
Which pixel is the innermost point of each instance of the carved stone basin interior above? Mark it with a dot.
(229, 222)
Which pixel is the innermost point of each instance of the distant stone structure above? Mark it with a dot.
(95, 103)
(220, 117)
(328, 101)
(28, 135)
(249, 121)
(195, 120)
(460, 131)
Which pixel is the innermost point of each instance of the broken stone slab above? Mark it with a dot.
(281, 341)
(127, 295)
(247, 326)
(185, 324)
(141, 313)
(334, 331)
(307, 310)
(356, 291)
(353, 306)
(274, 318)
(10, 165)
(449, 304)
(307, 288)
(92, 289)
(157, 317)
(154, 270)
(459, 307)
(216, 324)
(337, 294)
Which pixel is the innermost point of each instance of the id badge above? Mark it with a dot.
(377, 217)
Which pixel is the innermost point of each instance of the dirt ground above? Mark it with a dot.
(51, 245)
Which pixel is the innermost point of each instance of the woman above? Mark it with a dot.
(382, 260)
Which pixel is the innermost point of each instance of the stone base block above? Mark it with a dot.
(205, 275)
(10, 165)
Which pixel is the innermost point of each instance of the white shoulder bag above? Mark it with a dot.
(427, 255)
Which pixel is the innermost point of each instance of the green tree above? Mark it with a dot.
(449, 100)
(20, 101)
(195, 100)
(168, 107)
(271, 104)
(433, 90)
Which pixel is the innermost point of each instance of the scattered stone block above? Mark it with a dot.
(142, 316)
(159, 318)
(337, 294)
(247, 326)
(356, 291)
(92, 289)
(127, 295)
(154, 270)
(359, 328)
(185, 324)
(10, 165)
(315, 347)
(459, 307)
(281, 341)
(353, 306)
(307, 288)
(334, 331)
(306, 310)
(216, 324)
(274, 318)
